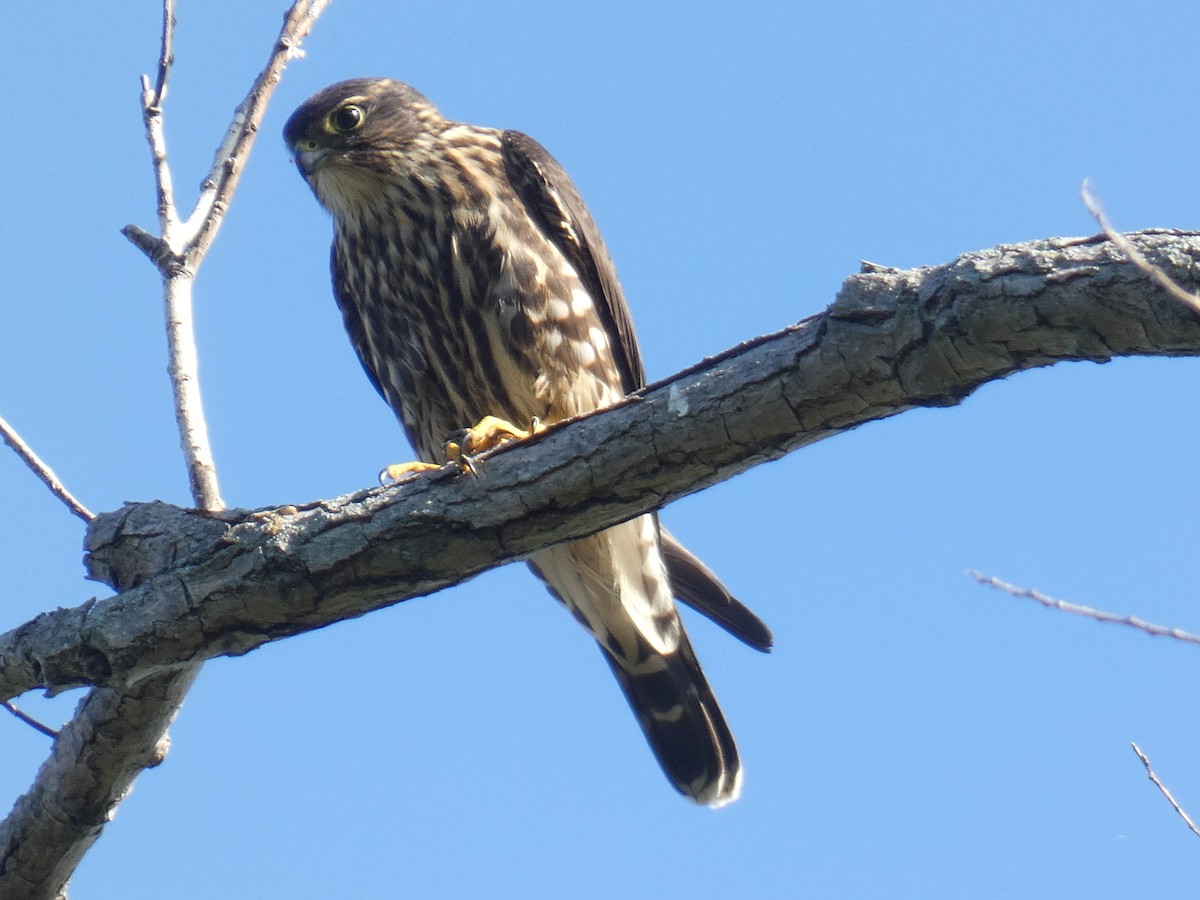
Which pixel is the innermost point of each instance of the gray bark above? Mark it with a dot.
(194, 585)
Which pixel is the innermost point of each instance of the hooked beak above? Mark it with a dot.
(309, 160)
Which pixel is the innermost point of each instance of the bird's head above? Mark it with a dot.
(353, 133)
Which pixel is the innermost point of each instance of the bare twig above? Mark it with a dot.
(30, 720)
(178, 272)
(1097, 614)
(43, 471)
(152, 109)
(180, 249)
(166, 56)
(117, 733)
(155, 248)
(218, 187)
(1162, 787)
(1092, 202)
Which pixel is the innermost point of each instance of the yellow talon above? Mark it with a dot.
(461, 447)
(489, 433)
(396, 471)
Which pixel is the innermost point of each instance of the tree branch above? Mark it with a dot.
(112, 738)
(197, 586)
(179, 250)
(1088, 612)
(1092, 202)
(44, 473)
(1179, 811)
(116, 734)
(30, 720)
(218, 187)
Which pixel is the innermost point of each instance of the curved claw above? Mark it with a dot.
(393, 473)
(490, 432)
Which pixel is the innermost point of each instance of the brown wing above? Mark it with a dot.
(696, 585)
(556, 207)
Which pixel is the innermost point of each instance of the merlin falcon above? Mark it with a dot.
(479, 295)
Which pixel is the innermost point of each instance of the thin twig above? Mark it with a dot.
(43, 471)
(166, 260)
(166, 56)
(102, 749)
(1092, 202)
(1162, 787)
(166, 252)
(1097, 614)
(160, 250)
(30, 721)
(201, 227)
(180, 249)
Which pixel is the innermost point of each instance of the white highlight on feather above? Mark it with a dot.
(604, 579)
(581, 302)
(585, 352)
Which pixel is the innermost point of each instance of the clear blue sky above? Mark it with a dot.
(913, 734)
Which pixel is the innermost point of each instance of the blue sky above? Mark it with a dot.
(913, 734)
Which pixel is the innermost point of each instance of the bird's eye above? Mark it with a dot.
(347, 118)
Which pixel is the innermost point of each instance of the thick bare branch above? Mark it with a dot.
(196, 586)
(113, 736)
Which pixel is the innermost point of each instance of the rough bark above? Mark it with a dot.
(195, 585)
(116, 734)
(112, 737)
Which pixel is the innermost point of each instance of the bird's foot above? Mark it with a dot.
(396, 471)
(462, 446)
(489, 433)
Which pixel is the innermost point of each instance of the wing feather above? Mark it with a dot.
(555, 205)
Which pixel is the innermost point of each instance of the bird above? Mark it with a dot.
(479, 295)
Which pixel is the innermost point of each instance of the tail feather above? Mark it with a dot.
(683, 724)
(617, 585)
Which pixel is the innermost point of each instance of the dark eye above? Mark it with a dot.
(347, 119)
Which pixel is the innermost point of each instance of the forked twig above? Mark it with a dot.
(184, 241)
(1097, 614)
(99, 753)
(1162, 787)
(179, 250)
(43, 471)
